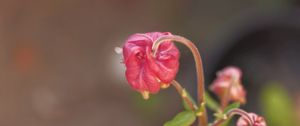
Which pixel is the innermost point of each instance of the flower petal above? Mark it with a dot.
(144, 71)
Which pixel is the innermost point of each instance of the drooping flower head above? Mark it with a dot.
(255, 119)
(229, 81)
(145, 71)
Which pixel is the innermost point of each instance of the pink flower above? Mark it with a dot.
(145, 71)
(255, 119)
(229, 77)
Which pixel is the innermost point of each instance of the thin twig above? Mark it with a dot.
(180, 90)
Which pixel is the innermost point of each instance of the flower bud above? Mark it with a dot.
(255, 119)
(229, 81)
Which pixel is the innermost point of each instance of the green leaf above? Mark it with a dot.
(227, 122)
(185, 118)
(186, 105)
(278, 106)
(232, 106)
(211, 103)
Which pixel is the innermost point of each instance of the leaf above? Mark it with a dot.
(278, 106)
(185, 118)
(227, 122)
(211, 103)
(232, 106)
(186, 105)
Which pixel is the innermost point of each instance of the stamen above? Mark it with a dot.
(164, 85)
(145, 94)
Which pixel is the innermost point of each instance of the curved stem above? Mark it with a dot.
(199, 68)
(184, 96)
(233, 112)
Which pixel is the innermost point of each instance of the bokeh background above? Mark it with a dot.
(58, 66)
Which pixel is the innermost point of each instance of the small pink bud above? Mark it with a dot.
(145, 71)
(229, 77)
(255, 119)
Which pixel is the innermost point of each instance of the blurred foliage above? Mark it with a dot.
(185, 118)
(227, 122)
(232, 106)
(277, 106)
(211, 103)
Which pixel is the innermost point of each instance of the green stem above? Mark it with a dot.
(184, 96)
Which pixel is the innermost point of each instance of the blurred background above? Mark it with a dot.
(58, 66)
